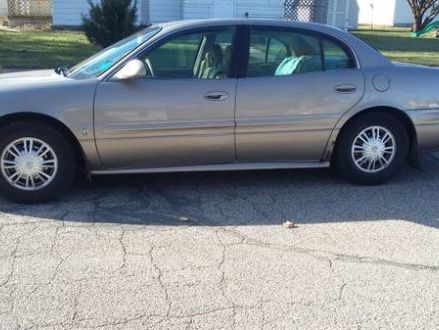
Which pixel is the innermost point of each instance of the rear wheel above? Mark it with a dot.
(37, 162)
(372, 149)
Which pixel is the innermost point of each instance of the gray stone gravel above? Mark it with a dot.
(113, 254)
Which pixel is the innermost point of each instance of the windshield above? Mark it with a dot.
(102, 61)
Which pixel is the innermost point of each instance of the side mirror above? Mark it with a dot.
(134, 69)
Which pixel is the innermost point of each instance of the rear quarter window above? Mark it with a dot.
(336, 56)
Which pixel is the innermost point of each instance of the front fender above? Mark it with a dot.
(68, 101)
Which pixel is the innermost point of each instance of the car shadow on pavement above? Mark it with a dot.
(243, 198)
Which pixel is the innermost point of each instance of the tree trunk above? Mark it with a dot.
(417, 25)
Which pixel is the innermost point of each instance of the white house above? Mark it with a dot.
(341, 13)
(384, 12)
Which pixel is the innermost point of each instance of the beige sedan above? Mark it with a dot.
(217, 95)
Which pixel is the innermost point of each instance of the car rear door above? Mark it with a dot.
(296, 86)
(180, 114)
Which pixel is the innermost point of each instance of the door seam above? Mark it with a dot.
(234, 119)
(94, 123)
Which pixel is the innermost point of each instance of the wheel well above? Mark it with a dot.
(55, 123)
(396, 113)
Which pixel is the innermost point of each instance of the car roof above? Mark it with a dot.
(366, 55)
(245, 21)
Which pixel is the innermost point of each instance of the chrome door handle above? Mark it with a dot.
(345, 88)
(216, 96)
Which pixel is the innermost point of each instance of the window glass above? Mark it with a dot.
(258, 48)
(277, 50)
(204, 55)
(102, 61)
(336, 57)
(178, 54)
(279, 53)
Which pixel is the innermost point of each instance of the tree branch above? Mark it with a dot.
(424, 12)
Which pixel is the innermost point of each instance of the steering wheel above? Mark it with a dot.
(149, 66)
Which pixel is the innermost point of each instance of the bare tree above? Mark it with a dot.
(424, 12)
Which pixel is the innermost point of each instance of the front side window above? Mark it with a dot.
(283, 53)
(105, 59)
(203, 55)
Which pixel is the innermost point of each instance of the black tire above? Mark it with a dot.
(344, 163)
(63, 150)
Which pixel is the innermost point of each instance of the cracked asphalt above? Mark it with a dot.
(114, 253)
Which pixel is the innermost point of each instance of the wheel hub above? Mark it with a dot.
(373, 149)
(29, 164)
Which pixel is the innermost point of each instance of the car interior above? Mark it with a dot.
(200, 56)
(208, 55)
(277, 54)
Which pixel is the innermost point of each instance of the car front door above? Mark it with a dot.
(180, 114)
(297, 85)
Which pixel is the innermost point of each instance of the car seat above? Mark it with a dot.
(212, 65)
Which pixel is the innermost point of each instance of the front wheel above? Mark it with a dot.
(37, 162)
(372, 149)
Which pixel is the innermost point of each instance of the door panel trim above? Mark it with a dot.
(286, 124)
(153, 129)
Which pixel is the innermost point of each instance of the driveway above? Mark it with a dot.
(119, 253)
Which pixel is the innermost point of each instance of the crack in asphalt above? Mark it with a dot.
(160, 281)
(312, 252)
(211, 256)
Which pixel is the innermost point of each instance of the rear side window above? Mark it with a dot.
(275, 52)
(265, 49)
(336, 57)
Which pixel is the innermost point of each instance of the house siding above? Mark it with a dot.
(233, 8)
(403, 13)
(390, 12)
(197, 9)
(273, 9)
(353, 15)
(168, 10)
(343, 14)
(164, 10)
(70, 12)
(3, 8)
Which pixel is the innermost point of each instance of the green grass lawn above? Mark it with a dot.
(398, 45)
(39, 49)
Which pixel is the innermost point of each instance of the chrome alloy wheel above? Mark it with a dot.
(29, 164)
(373, 149)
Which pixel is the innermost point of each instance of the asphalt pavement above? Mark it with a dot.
(209, 251)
